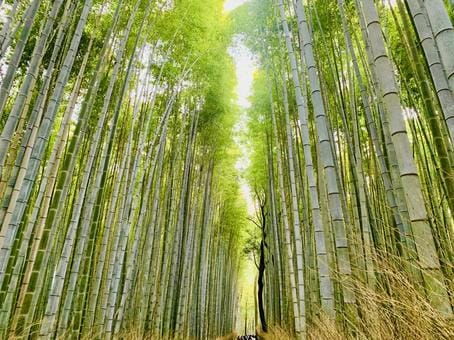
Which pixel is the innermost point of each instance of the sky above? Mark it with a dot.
(245, 67)
(232, 4)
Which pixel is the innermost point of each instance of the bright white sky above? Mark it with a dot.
(232, 4)
(245, 67)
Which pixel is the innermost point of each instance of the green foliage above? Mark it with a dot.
(258, 128)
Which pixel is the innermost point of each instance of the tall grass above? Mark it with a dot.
(395, 309)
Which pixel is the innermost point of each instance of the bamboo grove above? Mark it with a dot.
(351, 128)
(119, 208)
(120, 205)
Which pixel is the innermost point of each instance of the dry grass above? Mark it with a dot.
(276, 333)
(231, 336)
(395, 310)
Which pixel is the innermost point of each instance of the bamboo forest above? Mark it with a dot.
(227, 169)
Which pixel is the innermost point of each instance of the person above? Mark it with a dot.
(247, 337)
